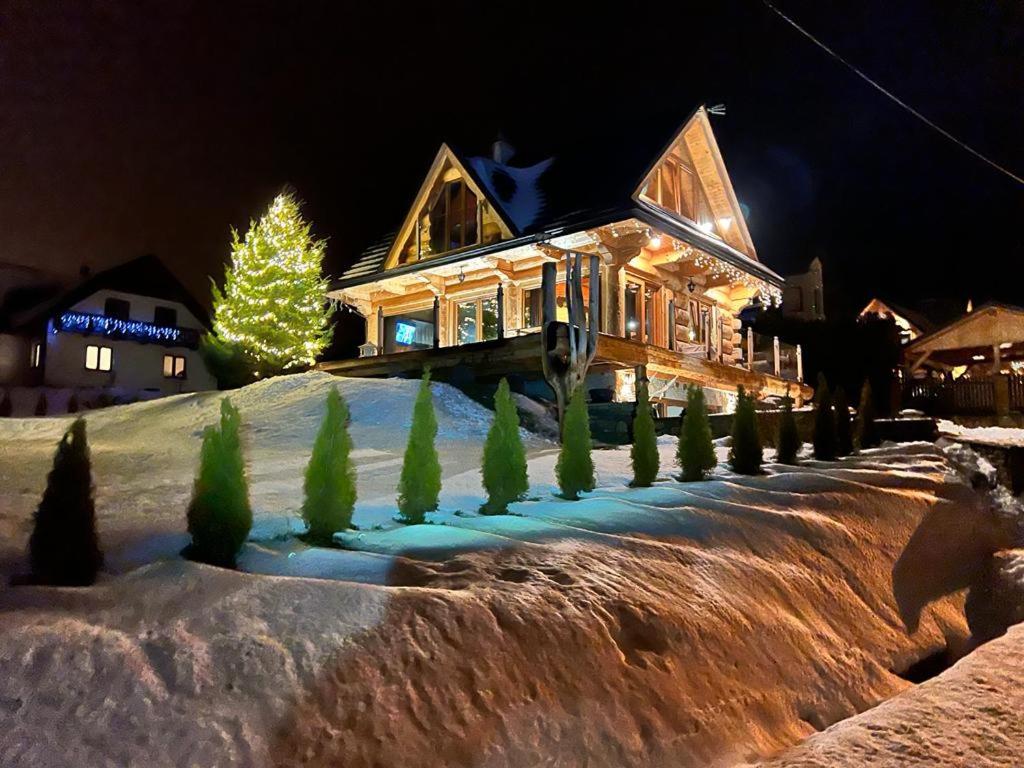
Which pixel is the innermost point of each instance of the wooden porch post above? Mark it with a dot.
(997, 359)
(501, 311)
(380, 330)
(750, 349)
(437, 322)
(799, 364)
(775, 350)
(672, 324)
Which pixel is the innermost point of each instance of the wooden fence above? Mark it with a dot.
(946, 398)
(1017, 393)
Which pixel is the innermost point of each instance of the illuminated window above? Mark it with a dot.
(98, 358)
(533, 308)
(36, 355)
(174, 367)
(476, 320)
(453, 218)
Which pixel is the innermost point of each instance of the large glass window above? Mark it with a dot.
(633, 310)
(476, 320)
(98, 358)
(453, 218)
(409, 331)
(533, 308)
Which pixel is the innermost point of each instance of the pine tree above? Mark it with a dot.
(6, 407)
(64, 549)
(330, 485)
(746, 454)
(644, 452)
(41, 405)
(420, 483)
(787, 445)
(844, 429)
(825, 443)
(273, 305)
(867, 430)
(696, 453)
(504, 465)
(575, 467)
(219, 515)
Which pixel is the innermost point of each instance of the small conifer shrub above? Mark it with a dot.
(41, 405)
(419, 486)
(219, 515)
(825, 443)
(504, 463)
(867, 430)
(644, 452)
(746, 454)
(73, 403)
(6, 407)
(696, 452)
(330, 482)
(575, 467)
(787, 445)
(64, 548)
(844, 427)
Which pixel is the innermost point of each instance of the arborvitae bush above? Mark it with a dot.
(219, 515)
(73, 403)
(420, 483)
(64, 549)
(6, 407)
(825, 443)
(41, 404)
(330, 484)
(575, 468)
(787, 445)
(844, 428)
(645, 441)
(696, 453)
(745, 454)
(867, 430)
(504, 465)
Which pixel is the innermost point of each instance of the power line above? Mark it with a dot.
(895, 98)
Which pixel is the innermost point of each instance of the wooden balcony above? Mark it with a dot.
(521, 354)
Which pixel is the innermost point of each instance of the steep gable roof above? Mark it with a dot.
(595, 181)
(143, 276)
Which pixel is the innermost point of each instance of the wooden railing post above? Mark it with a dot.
(672, 324)
(437, 322)
(775, 350)
(750, 349)
(799, 364)
(501, 311)
(380, 330)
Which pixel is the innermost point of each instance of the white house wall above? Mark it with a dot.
(136, 365)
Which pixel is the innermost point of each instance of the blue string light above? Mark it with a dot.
(82, 322)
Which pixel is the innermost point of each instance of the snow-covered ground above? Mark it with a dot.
(990, 435)
(687, 624)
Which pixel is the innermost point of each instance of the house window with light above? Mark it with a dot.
(476, 320)
(174, 367)
(98, 358)
(36, 355)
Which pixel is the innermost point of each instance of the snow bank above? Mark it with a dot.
(703, 624)
(991, 435)
(967, 716)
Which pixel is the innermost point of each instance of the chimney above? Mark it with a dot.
(501, 151)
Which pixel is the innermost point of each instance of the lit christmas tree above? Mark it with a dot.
(273, 304)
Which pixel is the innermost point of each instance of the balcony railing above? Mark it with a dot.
(133, 330)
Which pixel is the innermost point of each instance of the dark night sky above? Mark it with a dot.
(152, 127)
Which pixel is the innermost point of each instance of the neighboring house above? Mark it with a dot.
(458, 286)
(804, 295)
(924, 317)
(132, 329)
(986, 341)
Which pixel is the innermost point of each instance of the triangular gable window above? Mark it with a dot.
(449, 214)
(675, 186)
(689, 182)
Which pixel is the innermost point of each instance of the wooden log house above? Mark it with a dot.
(459, 284)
